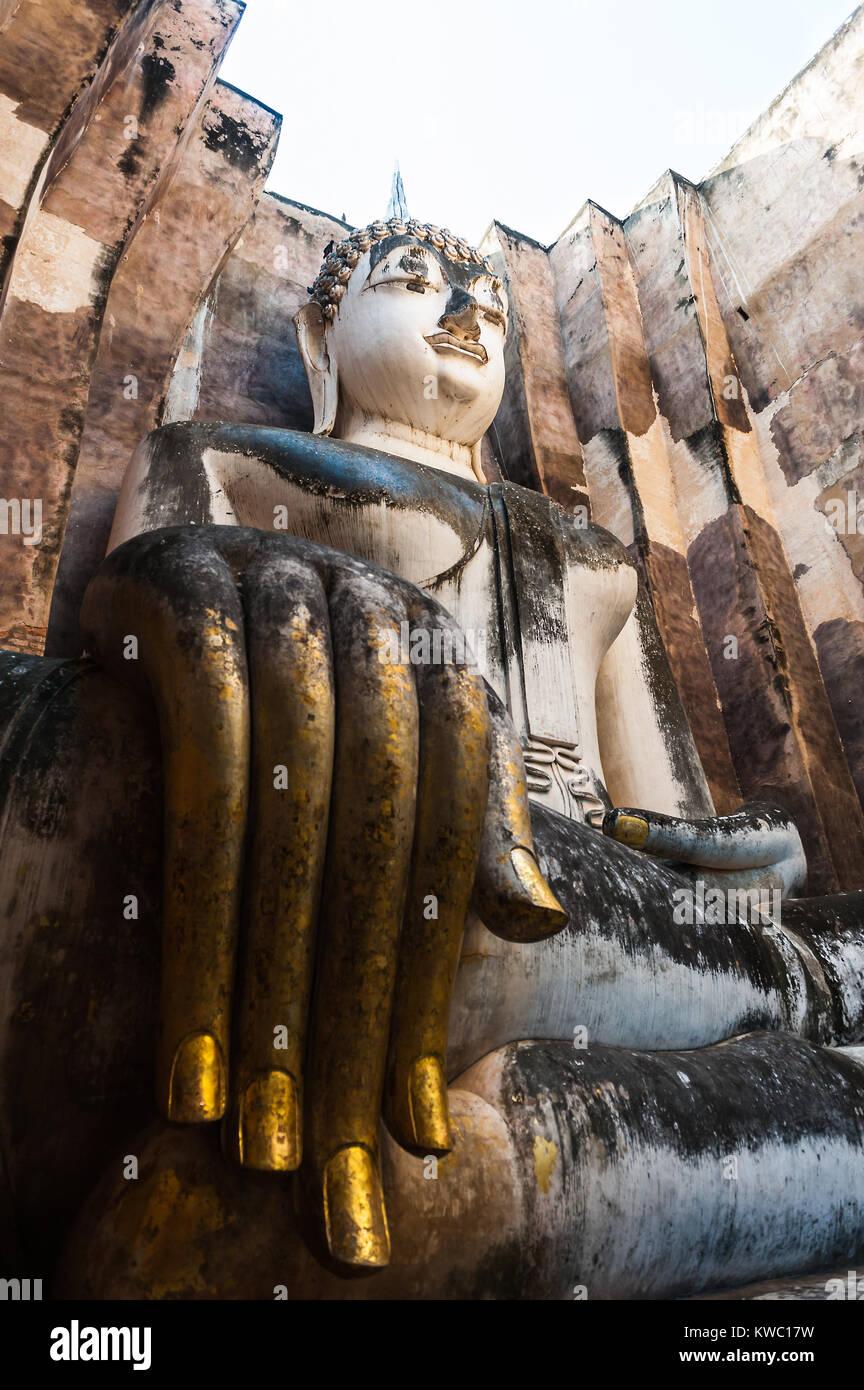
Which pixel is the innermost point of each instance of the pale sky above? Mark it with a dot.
(514, 109)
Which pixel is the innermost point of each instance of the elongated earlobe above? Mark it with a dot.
(319, 366)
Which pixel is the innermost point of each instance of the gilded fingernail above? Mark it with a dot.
(631, 830)
(354, 1215)
(269, 1124)
(548, 916)
(430, 1112)
(196, 1089)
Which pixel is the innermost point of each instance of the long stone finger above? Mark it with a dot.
(164, 612)
(293, 720)
(366, 877)
(511, 895)
(451, 807)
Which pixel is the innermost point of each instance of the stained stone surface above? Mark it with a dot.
(49, 49)
(535, 429)
(179, 245)
(100, 177)
(667, 367)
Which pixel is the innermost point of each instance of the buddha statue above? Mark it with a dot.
(431, 809)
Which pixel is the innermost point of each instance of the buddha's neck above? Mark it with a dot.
(407, 441)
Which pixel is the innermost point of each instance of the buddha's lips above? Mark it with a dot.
(449, 340)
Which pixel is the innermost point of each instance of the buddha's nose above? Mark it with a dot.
(461, 317)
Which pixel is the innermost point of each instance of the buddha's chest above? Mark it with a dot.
(538, 614)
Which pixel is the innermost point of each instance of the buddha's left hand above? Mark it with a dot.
(757, 847)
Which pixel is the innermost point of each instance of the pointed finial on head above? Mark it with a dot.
(398, 204)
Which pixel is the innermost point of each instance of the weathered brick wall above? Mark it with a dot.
(785, 229)
(240, 360)
(98, 180)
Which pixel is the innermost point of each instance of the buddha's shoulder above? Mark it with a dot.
(315, 463)
(541, 522)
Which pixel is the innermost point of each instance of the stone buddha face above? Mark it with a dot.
(404, 345)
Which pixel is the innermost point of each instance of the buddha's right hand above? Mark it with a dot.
(326, 813)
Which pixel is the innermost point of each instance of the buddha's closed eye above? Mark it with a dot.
(416, 279)
(493, 315)
(419, 284)
(413, 271)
